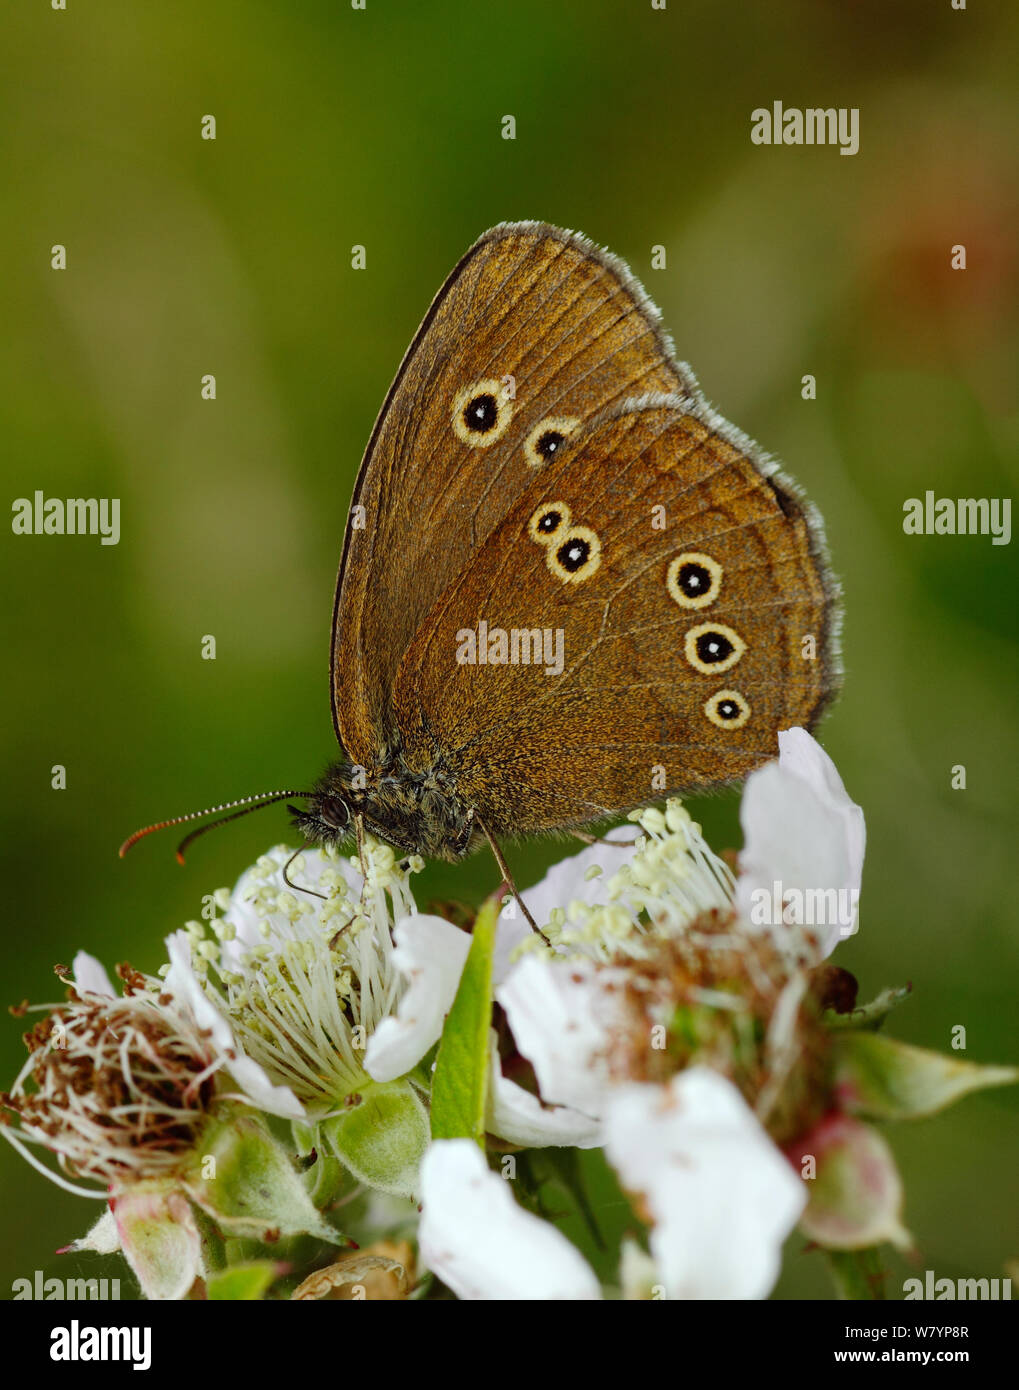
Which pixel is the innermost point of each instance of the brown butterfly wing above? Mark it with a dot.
(576, 334)
(627, 719)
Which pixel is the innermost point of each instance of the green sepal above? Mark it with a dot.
(382, 1139)
(250, 1187)
(890, 1080)
(858, 1274)
(159, 1236)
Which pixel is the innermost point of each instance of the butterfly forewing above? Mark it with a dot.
(534, 333)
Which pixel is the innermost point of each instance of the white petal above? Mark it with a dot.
(720, 1194)
(90, 975)
(182, 983)
(519, 1117)
(479, 1242)
(568, 879)
(803, 844)
(562, 1014)
(430, 953)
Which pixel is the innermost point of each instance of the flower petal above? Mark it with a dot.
(90, 976)
(721, 1196)
(520, 1118)
(562, 1014)
(430, 953)
(803, 841)
(480, 1243)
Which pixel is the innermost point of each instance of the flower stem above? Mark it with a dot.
(858, 1274)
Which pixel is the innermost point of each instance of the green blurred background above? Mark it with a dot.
(338, 127)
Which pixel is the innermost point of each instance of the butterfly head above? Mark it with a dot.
(328, 818)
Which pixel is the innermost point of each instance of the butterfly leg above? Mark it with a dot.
(586, 839)
(508, 880)
(359, 833)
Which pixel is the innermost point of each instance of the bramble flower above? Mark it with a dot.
(147, 1094)
(340, 998)
(310, 980)
(656, 965)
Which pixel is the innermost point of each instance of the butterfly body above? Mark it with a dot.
(568, 587)
(414, 808)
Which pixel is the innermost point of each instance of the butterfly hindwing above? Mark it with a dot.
(676, 590)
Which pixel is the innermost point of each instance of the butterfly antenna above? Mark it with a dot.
(247, 803)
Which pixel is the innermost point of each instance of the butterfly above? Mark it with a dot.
(568, 587)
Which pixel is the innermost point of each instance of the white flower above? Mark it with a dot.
(481, 1244)
(565, 1009)
(119, 1088)
(430, 955)
(182, 984)
(311, 980)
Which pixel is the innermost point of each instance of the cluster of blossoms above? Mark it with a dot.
(272, 1089)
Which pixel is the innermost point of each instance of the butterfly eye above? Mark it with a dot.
(481, 413)
(713, 647)
(576, 557)
(548, 522)
(547, 439)
(727, 709)
(694, 580)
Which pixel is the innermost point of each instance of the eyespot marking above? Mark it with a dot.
(547, 439)
(481, 413)
(548, 522)
(575, 556)
(693, 579)
(713, 647)
(727, 709)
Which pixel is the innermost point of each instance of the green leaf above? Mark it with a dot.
(868, 1016)
(890, 1080)
(243, 1282)
(858, 1274)
(460, 1084)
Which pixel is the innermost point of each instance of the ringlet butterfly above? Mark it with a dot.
(567, 585)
